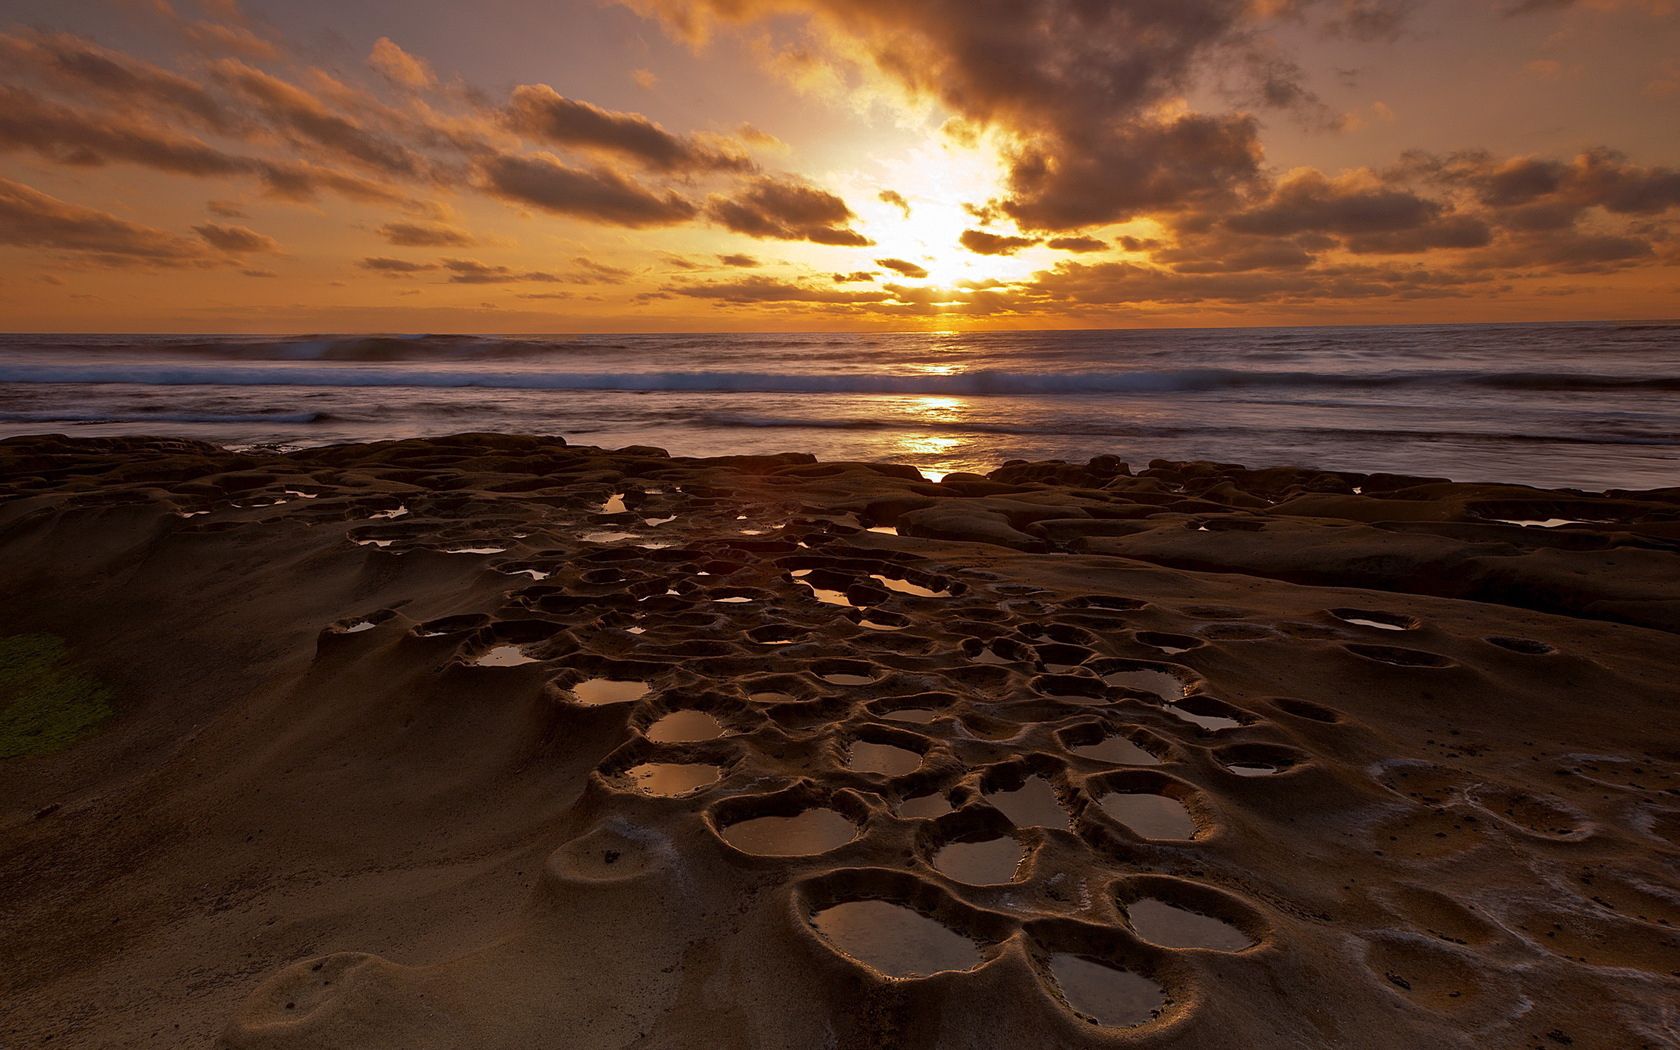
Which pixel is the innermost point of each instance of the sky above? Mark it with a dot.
(782, 165)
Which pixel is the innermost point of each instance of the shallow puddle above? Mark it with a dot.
(1255, 769)
(505, 656)
(535, 574)
(1373, 623)
(906, 587)
(935, 805)
(1212, 723)
(917, 715)
(358, 628)
(1546, 523)
(597, 691)
(1150, 816)
(654, 523)
(981, 863)
(734, 599)
(685, 727)
(388, 515)
(614, 504)
(671, 778)
(845, 678)
(474, 550)
(1034, 804)
(1171, 927)
(882, 758)
(1119, 751)
(1166, 686)
(1113, 998)
(1380, 621)
(827, 595)
(770, 697)
(804, 834)
(607, 536)
(885, 530)
(895, 940)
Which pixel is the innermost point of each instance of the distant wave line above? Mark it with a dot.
(980, 383)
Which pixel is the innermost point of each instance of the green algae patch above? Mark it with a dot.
(45, 705)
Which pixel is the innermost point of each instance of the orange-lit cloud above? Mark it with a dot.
(1077, 163)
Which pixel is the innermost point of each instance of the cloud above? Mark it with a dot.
(425, 235)
(32, 219)
(1076, 88)
(539, 112)
(76, 137)
(598, 195)
(471, 271)
(225, 209)
(908, 269)
(896, 199)
(400, 67)
(789, 210)
(770, 290)
(394, 267)
(309, 122)
(83, 68)
(1077, 244)
(736, 259)
(592, 272)
(1355, 203)
(236, 239)
(982, 243)
(220, 38)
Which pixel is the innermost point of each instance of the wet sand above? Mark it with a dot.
(493, 742)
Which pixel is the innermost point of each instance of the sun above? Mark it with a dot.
(936, 179)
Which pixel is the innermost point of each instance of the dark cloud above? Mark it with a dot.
(1191, 163)
(855, 277)
(309, 122)
(81, 67)
(785, 209)
(77, 137)
(225, 209)
(1309, 201)
(738, 260)
(896, 199)
(1530, 7)
(32, 219)
(596, 194)
(394, 267)
(770, 290)
(903, 266)
(471, 271)
(591, 272)
(236, 239)
(539, 112)
(1075, 84)
(425, 235)
(982, 243)
(1078, 243)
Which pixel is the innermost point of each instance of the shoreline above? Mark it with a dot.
(358, 785)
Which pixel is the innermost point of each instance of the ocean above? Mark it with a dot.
(1585, 405)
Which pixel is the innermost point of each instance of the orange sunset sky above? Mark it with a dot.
(764, 165)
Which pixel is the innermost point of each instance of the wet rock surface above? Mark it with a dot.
(1279, 764)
